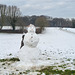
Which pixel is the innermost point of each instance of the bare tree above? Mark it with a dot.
(73, 22)
(2, 14)
(41, 22)
(13, 13)
(20, 22)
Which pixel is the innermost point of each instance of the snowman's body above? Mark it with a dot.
(31, 39)
(29, 53)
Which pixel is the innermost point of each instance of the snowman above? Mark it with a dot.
(29, 53)
(31, 39)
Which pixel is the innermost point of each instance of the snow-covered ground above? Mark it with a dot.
(57, 46)
(71, 30)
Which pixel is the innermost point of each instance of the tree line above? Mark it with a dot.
(11, 16)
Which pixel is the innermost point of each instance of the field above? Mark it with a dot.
(57, 47)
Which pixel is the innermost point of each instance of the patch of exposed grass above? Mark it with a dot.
(14, 59)
(73, 59)
(62, 61)
(11, 59)
(17, 70)
(49, 59)
(49, 70)
(3, 64)
(62, 66)
(10, 54)
(12, 74)
(9, 63)
(27, 71)
(4, 67)
(20, 72)
(68, 59)
(74, 64)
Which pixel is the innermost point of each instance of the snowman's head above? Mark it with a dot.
(31, 28)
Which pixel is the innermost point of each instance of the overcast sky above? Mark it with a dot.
(53, 8)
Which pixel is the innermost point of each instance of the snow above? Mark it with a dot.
(58, 41)
(71, 30)
(7, 27)
(57, 47)
(9, 44)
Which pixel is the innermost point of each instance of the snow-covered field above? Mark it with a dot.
(57, 47)
(71, 30)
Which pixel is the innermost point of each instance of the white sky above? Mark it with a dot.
(53, 8)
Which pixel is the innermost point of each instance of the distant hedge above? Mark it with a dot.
(38, 31)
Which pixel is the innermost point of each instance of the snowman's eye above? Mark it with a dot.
(31, 36)
(31, 41)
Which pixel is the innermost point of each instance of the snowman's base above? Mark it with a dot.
(25, 66)
(31, 66)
